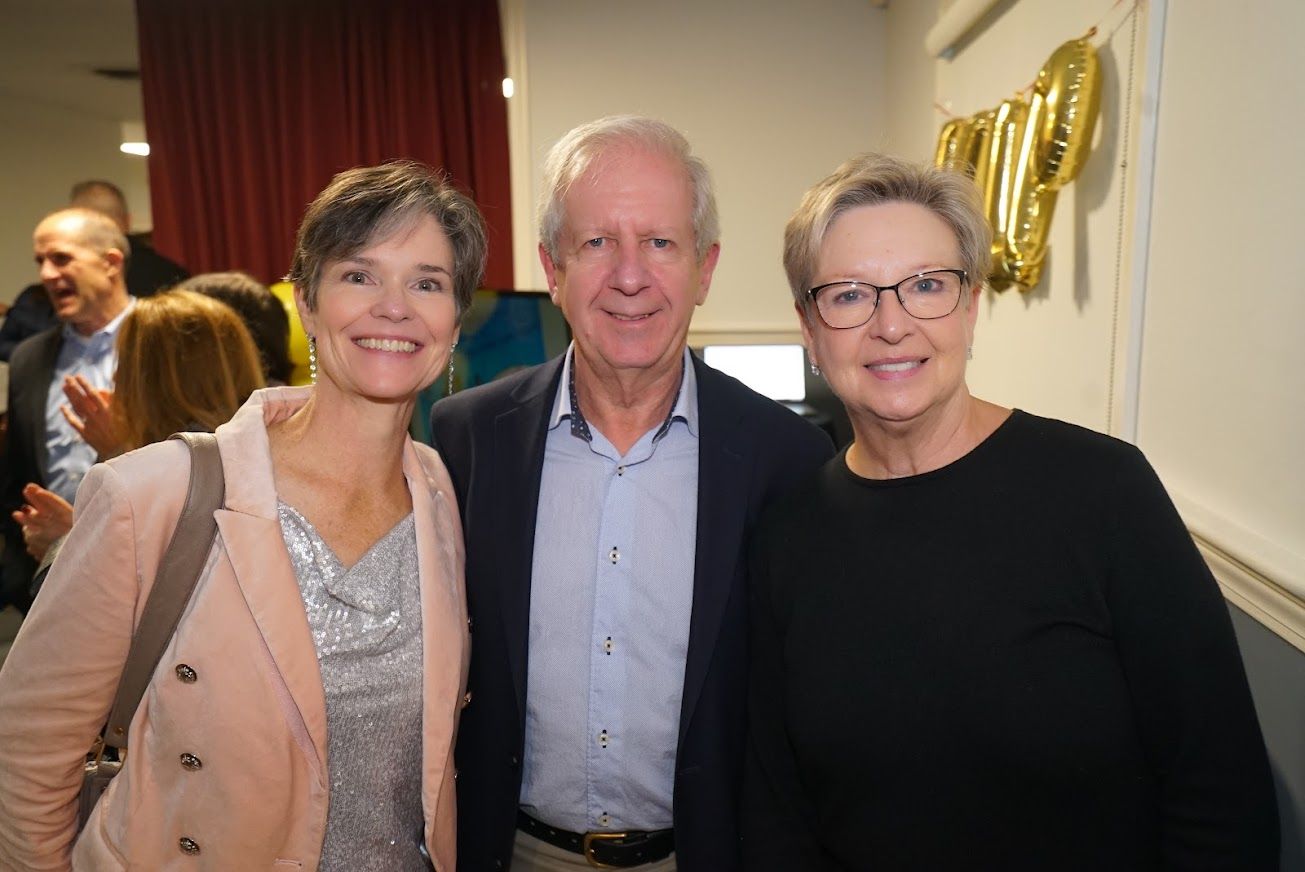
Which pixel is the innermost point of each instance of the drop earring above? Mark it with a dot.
(815, 370)
(312, 359)
(452, 348)
(969, 352)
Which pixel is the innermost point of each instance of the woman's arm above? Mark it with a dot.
(776, 817)
(60, 677)
(1188, 686)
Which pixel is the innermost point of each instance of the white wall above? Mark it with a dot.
(45, 149)
(1222, 399)
(772, 94)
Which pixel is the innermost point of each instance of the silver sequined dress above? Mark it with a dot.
(366, 623)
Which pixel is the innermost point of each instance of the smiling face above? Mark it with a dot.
(85, 285)
(385, 316)
(894, 368)
(628, 276)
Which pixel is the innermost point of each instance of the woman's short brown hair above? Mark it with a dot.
(368, 204)
(869, 180)
(185, 362)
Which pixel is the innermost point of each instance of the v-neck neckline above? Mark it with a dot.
(326, 546)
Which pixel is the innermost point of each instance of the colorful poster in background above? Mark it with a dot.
(502, 332)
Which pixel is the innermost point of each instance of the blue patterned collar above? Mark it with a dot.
(567, 404)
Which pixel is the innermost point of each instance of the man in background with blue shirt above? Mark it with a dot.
(82, 257)
(606, 499)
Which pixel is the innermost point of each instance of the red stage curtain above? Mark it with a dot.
(252, 105)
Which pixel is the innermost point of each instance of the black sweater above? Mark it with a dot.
(1018, 661)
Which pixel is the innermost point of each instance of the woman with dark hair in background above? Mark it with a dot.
(262, 313)
(981, 639)
(313, 685)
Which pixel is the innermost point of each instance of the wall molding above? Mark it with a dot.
(1260, 577)
(1266, 602)
(1148, 117)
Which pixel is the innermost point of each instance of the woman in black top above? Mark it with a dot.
(981, 639)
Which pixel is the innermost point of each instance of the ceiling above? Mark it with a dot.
(48, 49)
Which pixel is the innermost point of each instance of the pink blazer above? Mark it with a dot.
(256, 713)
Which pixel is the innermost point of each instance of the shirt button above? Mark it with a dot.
(603, 738)
(186, 674)
(620, 470)
(191, 762)
(614, 555)
(604, 819)
(188, 845)
(608, 646)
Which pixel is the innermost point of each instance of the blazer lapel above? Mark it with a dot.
(262, 567)
(251, 537)
(519, 436)
(443, 618)
(722, 507)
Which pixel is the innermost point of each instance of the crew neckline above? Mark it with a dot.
(958, 465)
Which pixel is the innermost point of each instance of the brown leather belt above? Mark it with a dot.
(604, 850)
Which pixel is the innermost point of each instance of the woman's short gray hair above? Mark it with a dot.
(870, 179)
(572, 155)
(368, 204)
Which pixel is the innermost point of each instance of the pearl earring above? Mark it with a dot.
(312, 359)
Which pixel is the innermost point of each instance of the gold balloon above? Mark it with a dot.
(995, 184)
(1021, 153)
(1068, 90)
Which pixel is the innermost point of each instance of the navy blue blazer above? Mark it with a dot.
(26, 457)
(492, 440)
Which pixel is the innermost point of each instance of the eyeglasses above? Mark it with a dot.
(926, 295)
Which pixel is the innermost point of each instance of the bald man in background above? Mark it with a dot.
(82, 257)
(148, 272)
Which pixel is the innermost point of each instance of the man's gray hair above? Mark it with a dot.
(568, 160)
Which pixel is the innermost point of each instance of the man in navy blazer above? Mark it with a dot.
(606, 498)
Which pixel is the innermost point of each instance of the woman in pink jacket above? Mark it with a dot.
(304, 712)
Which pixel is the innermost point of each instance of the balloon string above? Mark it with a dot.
(1096, 28)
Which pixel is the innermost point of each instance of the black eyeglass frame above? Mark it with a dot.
(896, 289)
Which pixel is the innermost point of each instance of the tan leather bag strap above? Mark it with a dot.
(173, 583)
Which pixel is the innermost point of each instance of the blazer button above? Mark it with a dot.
(513, 761)
(188, 845)
(186, 674)
(191, 762)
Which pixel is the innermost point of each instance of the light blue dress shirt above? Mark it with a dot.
(611, 597)
(95, 357)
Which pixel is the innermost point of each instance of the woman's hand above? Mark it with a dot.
(89, 411)
(45, 518)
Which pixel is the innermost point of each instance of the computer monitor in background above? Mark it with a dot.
(502, 332)
(774, 371)
(782, 373)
